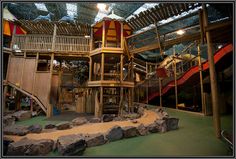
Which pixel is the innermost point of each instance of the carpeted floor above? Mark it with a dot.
(195, 137)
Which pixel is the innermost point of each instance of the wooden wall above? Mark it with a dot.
(15, 70)
(28, 74)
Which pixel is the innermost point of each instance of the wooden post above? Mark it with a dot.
(147, 83)
(201, 81)
(102, 67)
(122, 35)
(8, 65)
(31, 105)
(90, 68)
(54, 37)
(35, 70)
(160, 92)
(121, 67)
(201, 25)
(101, 102)
(22, 72)
(13, 37)
(4, 97)
(50, 106)
(158, 39)
(213, 80)
(91, 39)
(103, 34)
(175, 74)
(121, 100)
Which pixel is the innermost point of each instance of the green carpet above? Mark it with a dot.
(195, 137)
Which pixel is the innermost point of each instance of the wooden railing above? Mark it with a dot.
(44, 43)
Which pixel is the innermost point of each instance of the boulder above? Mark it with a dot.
(95, 140)
(49, 126)
(172, 123)
(95, 120)
(129, 131)
(153, 128)
(118, 118)
(134, 121)
(161, 113)
(71, 145)
(30, 147)
(22, 115)
(63, 126)
(16, 130)
(142, 130)
(115, 133)
(8, 120)
(79, 121)
(161, 125)
(6, 142)
(140, 111)
(35, 128)
(107, 117)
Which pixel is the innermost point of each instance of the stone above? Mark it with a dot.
(95, 140)
(6, 142)
(153, 128)
(71, 145)
(30, 147)
(79, 121)
(35, 128)
(22, 115)
(129, 131)
(172, 123)
(49, 126)
(63, 126)
(16, 130)
(118, 118)
(140, 111)
(95, 120)
(134, 121)
(161, 125)
(142, 130)
(107, 117)
(8, 120)
(115, 133)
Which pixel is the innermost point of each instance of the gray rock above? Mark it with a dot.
(172, 123)
(142, 130)
(22, 115)
(115, 133)
(140, 111)
(30, 147)
(35, 128)
(107, 117)
(6, 142)
(49, 126)
(161, 125)
(153, 128)
(79, 121)
(118, 118)
(63, 126)
(95, 120)
(16, 130)
(129, 131)
(95, 139)
(71, 145)
(8, 120)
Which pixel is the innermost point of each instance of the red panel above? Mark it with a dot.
(161, 72)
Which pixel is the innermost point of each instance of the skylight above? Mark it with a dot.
(71, 9)
(142, 8)
(41, 6)
(102, 12)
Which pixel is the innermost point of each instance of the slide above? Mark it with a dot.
(222, 60)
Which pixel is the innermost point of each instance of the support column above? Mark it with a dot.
(213, 80)
(121, 67)
(90, 68)
(103, 34)
(147, 83)
(50, 106)
(160, 92)
(4, 97)
(101, 102)
(102, 67)
(201, 81)
(175, 74)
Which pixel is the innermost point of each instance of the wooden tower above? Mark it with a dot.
(111, 70)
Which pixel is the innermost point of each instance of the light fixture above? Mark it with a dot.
(87, 36)
(219, 46)
(180, 32)
(123, 69)
(101, 6)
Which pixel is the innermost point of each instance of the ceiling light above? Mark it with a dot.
(180, 32)
(220, 46)
(87, 36)
(101, 6)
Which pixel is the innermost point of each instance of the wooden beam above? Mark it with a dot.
(201, 80)
(213, 80)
